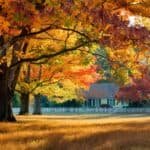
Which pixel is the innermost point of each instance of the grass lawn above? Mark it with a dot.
(77, 132)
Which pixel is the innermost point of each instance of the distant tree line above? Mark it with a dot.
(45, 102)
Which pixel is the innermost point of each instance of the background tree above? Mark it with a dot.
(138, 90)
(72, 70)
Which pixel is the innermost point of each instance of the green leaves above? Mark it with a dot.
(19, 17)
(68, 22)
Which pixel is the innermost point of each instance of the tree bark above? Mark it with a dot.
(8, 80)
(9, 77)
(37, 105)
(24, 108)
(6, 95)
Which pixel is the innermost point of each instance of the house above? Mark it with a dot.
(102, 95)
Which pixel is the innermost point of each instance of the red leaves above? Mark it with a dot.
(122, 36)
(66, 6)
(138, 90)
(128, 93)
(119, 34)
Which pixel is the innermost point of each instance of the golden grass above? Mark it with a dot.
(82, 132)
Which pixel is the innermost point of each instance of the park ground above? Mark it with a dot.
(77, 132)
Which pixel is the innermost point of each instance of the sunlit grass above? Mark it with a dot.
(82, 132)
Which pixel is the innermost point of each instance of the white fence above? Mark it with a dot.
(88, 110)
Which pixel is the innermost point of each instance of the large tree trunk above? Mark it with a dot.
(6, 95)
(37, 104)
(8, 79)
(24, 108)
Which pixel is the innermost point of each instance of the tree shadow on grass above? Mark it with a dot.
(119, 136)
(112, 140)
(33, 126)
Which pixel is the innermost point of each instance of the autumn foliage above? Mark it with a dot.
(138, 90)
(53, 74)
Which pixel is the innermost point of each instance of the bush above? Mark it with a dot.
(16, 100)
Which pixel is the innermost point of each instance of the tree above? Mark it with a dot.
(92, 21)
(16, 100)
(24, 93)
(13, 39)
(138, 90)
(41, 79)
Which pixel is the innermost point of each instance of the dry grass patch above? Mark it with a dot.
(81, 132)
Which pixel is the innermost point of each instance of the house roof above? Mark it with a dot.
(102, 90)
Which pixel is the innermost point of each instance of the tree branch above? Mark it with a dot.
(49, 55)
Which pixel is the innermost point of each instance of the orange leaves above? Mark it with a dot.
(94, 16)
(19, 14)
(24, 13)
(62, 69)
(14, 32)
(34, 72)
(83, 76)
(4, 25)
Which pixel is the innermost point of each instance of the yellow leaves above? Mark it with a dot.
(93, 48)
(49, 2)
(125, 62)
(144, 57)
(61, 75)
(3, 60)
(51, 42)
(145, 21)
(20, 55)
(67, 90)
(122, 55)
(23, 86)
(121, 76)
